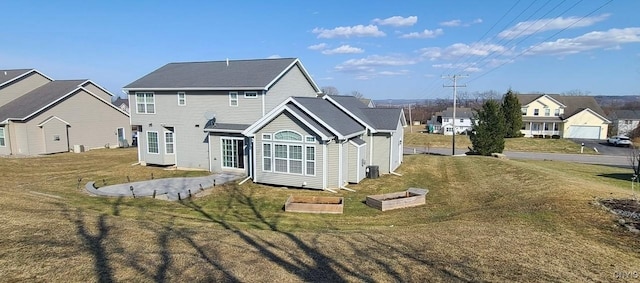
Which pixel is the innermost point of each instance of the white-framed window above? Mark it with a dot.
(182, 99)
(145, 103)
(232, 153)
(169, 144)
(250, 94)
(449, 129)
(266, 137)
(547, 112)
(267, 157)
(56, 137)
(536, 112)
(288, 154)
(310, 160)
(233, 99)
(2, 137)
(445, 120)
(461, 120)
(523, 110)
(627, 122)
(152, 142)
(556, 112)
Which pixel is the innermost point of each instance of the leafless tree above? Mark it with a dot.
(330, 90)
(576, 92)
(634, 160)
(357, 94)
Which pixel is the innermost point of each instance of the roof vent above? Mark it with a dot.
(227, 62)
(5, 72)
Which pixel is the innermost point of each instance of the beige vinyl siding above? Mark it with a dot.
(381, 153)
(52, 129)
(6, 149)
(293, 83)
(333, 161)
(97, 91)
(354, 163)
(22, 86)
(586, 118)
(346, 163)
(18, 136)
(93, 123)
(286, 121)
(364, 155)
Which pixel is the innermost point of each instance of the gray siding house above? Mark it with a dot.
(54, 116)
(624, 121)
(263, 118)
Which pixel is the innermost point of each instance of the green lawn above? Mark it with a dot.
(482, 216)
(419, 139)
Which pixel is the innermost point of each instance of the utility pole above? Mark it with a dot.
(455, 87)
(410, 120)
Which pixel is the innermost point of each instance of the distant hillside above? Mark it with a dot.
(604, 100)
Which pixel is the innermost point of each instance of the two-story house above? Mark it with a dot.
(442, 122)
(546, 115)
(261, 117)
(39, 115)
(624, 121)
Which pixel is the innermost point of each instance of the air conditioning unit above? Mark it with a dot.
(77, 148)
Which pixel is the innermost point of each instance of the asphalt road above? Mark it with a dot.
(603, 147)
(621, 160)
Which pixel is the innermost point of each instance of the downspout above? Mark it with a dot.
(252, 172)
(391, 152)
(263, 106)
(340, 182)
(371, 148)
(209, 151)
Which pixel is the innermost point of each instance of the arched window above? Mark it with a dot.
(288, 136)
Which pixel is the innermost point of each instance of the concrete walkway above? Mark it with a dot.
(169, 188)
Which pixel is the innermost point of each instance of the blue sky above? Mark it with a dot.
(382, 49)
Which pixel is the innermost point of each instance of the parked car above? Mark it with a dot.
(619, 141)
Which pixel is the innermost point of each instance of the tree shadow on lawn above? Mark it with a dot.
(321, 268)
(617, 176)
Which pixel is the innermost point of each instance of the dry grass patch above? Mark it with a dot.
(484, 220)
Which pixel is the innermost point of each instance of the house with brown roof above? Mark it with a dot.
(39, 115)
(558, 116)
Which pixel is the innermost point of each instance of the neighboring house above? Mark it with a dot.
(623, 122)
(545, 115)
(122, 103)
(442, 122)
(261, 117)
(59, 115)
(15, 83)
(368, 102)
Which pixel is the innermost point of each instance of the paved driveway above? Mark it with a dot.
(603, 147)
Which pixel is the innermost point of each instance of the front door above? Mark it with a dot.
(233, 153)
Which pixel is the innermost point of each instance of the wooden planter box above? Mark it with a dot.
(312, 204)
(408, 198)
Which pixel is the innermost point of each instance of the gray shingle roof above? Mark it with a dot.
(38, 98)
(254, 74)
(7, 75)
(461, 112)
(354, 105)
(384, 119)
(226, 127)
(330, 114)
(119, 101)
(323, 130)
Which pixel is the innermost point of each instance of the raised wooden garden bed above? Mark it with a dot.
(313, 204)
(408, 198)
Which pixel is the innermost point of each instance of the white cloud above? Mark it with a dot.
(424, 34)
(458, 23)
(354, 31)
(469, 68)
(394, 73)
(397, 21)
(275, 56)
(344, 49)
(452, 23)
(588, 41)
(531, 27)
(370, 63)
(457, 50)
(319, 46)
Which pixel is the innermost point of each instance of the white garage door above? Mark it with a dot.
(584, 132)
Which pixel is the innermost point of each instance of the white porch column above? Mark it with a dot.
(544, 132)
(531, 129)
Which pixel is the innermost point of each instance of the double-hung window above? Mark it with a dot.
(556, 112)
(152, 142)
(289, 153)
(145, 103)
(233, 99)
(547, 112)
(182, 99)
(2, 137)
(536, 112)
